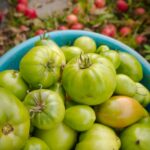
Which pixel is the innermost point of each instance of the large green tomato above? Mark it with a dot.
(89, 79)
(142, 94)
(125, 85)
(87, 44)
(46, 108)
(34, 143)
(130, 66)
(14, 122)
(99, 137)
(113, 56)
(136, 137)
(41, 66)
(71, 52)
(61, 137)
(11, 80)
(80, 117)
(120, 112)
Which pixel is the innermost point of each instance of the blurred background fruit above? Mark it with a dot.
(125, 20)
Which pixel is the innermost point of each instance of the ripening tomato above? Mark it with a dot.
(120, 112)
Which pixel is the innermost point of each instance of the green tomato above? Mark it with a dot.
(61, 137)
(34, 143)
(102, 48)
(14, 122)
(46, 108)
(87, 44)
(80, 117)
(125, 85)
(89, 79)
(113, 56)
(71, 52)
(51, 44)
(142, 94)
(57, 87)
(11, 80)
(120, 112)
(130, 66)
(41, 66)
(136, 137)
(99, 137)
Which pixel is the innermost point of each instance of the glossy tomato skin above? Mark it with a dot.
(87, 44)
(125, 85)
(130, 66)
(96, 138)
(34, 143)
(136, 137)
(142, 94)
(113, 56)
(14, 121)
(91, 85)
(61, 137)
(80, 117)
(41, 66)
(71, 52)
(46, 108)
(11, 80)
(120, 112)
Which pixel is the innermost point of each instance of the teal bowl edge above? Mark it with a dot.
(11, 58)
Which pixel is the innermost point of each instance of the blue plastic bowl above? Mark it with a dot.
(12, 58)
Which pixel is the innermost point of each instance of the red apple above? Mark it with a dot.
(124, 31)
(77, 26)
(75, 10)
(25, 2)
(140, 39)
(72, 19)
(100, 3)
(139, 11)
(62, 27)
(109, 30)
(39, 32)
(24, 28)
(1, 16)
(30, 13)
(21, 8)
(122, 5)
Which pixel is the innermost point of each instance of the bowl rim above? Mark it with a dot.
(52, 34)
